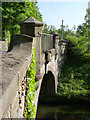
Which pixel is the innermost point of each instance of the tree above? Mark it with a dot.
(66, 31)
(49, 29)
(14, 12)
(84, 28)
(67, 27)
(74, 28)
(45, 28)
(80, 41)
(52, 29)
(87, 16)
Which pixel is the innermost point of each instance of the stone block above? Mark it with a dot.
(9, 94)
(22, 72)
(15, 106)
(31, 27)
(17, 40)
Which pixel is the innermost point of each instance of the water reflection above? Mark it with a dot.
(63, 112)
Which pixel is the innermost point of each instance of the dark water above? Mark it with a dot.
(63, 112)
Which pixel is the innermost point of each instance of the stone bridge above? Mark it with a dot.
(49, 54)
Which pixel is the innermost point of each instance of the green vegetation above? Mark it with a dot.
(74, 81)
(11, 16)
(30, 89)
(48, 29)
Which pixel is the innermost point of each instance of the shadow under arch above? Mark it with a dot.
(47, 87)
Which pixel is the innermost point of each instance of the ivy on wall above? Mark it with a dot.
(30, 89)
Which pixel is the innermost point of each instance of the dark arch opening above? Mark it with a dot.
(47, 87)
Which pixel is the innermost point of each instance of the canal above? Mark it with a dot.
(52, 111)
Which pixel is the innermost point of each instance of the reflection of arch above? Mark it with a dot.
(48, 86)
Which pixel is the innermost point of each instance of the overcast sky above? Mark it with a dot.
(71, 12)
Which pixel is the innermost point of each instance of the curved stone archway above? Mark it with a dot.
(47, 87)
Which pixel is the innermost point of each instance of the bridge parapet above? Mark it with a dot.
(49, 41)
(46, 42)
(14, 67)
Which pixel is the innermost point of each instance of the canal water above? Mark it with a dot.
(51, 111)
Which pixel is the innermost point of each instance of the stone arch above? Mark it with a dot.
(47, 87)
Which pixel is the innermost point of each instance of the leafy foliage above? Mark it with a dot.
(30, 89)
(49, 29)
(11, 16)
(78, 46)
(73, 82)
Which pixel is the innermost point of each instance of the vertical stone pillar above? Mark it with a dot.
(33, 27)
(55, 42)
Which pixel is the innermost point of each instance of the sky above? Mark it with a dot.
(71, 12)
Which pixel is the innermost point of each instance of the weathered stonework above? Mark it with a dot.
(16, 61)
(31, 27)
(14, 71)
(62, 54)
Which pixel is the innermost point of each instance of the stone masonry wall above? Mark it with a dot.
(14, 67)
